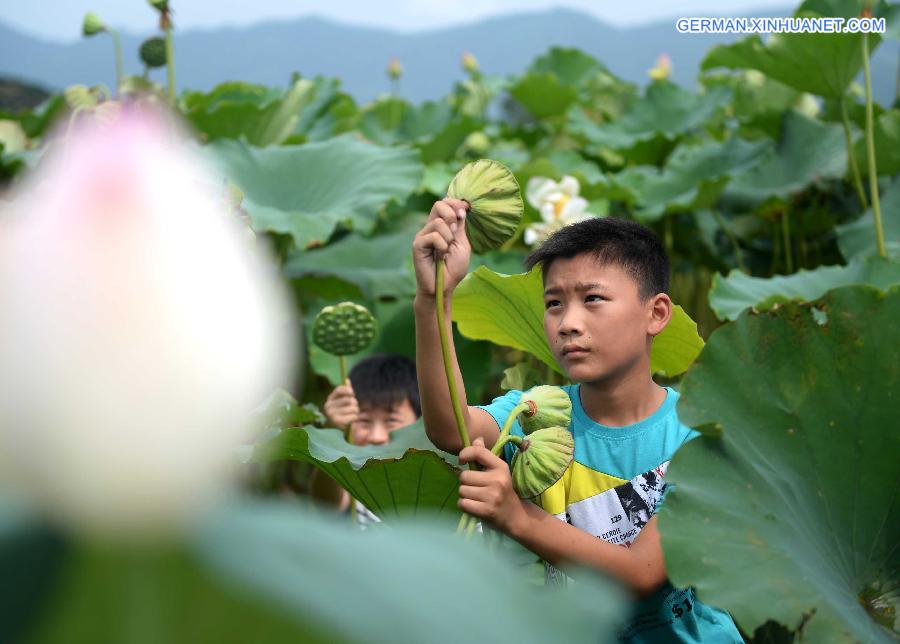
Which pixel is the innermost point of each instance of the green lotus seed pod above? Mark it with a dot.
(495, 203)
(343, 329)
(548, 407)
(153, 52)
(92, 25)
(159, 5)
(541, 460)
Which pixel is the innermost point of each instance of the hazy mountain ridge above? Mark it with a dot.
(267, 53)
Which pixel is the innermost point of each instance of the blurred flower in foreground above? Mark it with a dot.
(137, 329)
(558, 203)
(663, 68)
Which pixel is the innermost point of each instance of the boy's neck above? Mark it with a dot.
(625, 402)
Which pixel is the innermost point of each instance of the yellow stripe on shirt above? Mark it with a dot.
(577, 484)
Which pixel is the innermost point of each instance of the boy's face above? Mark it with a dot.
(374, 424)
(594, 319)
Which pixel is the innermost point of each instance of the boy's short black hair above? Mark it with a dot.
(611, 240)
(384, 380)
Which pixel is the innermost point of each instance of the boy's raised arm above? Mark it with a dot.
(443, 236)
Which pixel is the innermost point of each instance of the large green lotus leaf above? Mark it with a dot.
(397, 584)
(729, 296)
(38, 120)
(257, 114)
(267, 571)
(442, 146)
(821, 63)
(379, 265)
(857, 239)
(330, 113)
(808, 151)
(886, 131)
(408, 475)
(786, 509)
(393, 120)
(509, 310)
(543, 94)
(571, 66)
(690, 169)
(665, 110)
(306, 190)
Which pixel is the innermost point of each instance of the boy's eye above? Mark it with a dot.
(594, 298)
(551, 303)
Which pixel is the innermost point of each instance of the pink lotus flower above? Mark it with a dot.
(137, 328)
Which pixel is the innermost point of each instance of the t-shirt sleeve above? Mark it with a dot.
(499, 409)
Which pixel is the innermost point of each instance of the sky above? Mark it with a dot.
(60, 20)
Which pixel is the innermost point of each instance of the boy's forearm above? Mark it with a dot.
(640, 567)
(437, 408)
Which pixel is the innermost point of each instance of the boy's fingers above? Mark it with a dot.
(444, 211)
(475, 493)
(481, 455)
(440, 227)
(457, 204)
(474, 477)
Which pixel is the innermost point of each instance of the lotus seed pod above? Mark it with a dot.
(477, 142)
(548, 407)
(541, 460)
(343, 329)
(153, 52)
(495, 203)
(159, 5)
(92, 24)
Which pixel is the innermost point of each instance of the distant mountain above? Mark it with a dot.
(267, 53)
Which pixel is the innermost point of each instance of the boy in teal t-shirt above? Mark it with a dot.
(605, 284)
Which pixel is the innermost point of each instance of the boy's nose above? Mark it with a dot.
(378, 435)
(569, 325)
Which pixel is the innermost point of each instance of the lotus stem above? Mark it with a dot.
(870, 151)
(117, 45)
(445, 354)
(170, 64)
(448, 369)
(504, 436)
(738, 253)
(786, 237)
(851, 156)
(342, 365)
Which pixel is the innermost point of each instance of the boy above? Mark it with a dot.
(381, 394)
(605, 283)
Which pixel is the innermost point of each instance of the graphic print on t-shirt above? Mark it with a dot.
(618, 514)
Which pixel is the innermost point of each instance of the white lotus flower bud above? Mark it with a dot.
(137, 329)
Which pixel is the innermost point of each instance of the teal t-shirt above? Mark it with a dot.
(611, 490)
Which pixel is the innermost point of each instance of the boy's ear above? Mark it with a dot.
(660, 309)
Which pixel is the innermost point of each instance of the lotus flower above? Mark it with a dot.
(394, 69)
(469, 62)
(139, 329)
(558, 203)
(663, 68)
